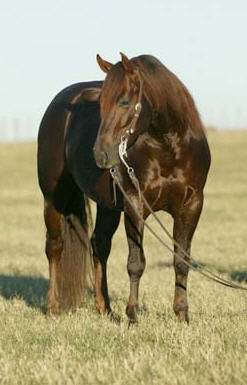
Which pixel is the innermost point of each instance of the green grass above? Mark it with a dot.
(86, 348)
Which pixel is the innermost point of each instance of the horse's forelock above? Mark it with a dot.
(113, 86)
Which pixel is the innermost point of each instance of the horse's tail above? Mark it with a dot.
(75, 266)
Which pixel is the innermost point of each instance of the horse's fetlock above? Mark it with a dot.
(181, 306)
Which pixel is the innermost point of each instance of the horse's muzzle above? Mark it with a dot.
(106, 159)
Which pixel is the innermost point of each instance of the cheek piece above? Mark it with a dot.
(122, 147)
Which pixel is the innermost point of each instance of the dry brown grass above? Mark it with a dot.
(85, 348)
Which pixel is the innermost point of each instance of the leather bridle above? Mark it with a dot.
(131, 126)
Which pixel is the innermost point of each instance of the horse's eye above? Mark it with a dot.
(124, 103)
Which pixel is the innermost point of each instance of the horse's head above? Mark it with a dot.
(121, 108)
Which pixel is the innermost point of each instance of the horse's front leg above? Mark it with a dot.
(136, 259)
(184, 226)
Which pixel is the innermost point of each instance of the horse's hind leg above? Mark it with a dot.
(106, 224)
(54, 247)
(184, 226)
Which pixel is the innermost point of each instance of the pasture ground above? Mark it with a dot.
(86, 348)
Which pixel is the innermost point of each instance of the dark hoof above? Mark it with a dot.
(53, 311)
(182, 316)
(131, 312)
(132, 323)
(115, 318)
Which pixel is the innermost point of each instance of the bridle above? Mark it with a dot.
(131, 127)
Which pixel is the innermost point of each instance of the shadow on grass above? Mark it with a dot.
(240, 276)
(32, 290)
(160, 265)
(234, 275)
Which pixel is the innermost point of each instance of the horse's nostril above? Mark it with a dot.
(102, 159)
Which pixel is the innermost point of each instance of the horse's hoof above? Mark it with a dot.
(53, 310)
(131, 312)
(101, 308)
(183, 317)
(116, 318)
(132, 323)
(181, 312)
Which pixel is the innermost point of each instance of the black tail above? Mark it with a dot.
(75, 266)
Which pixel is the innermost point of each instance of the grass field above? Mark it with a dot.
(86, 348)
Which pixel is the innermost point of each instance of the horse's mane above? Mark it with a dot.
(169, 95)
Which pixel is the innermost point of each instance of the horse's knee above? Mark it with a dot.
(136, 265)
(181, 268)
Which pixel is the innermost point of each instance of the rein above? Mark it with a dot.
(191, 263)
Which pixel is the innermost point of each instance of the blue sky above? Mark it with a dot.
(47, 45)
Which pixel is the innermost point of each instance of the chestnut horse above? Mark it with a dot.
(144, 109)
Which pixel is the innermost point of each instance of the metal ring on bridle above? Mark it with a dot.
(130, 170)
(112, 171)
(138, 106)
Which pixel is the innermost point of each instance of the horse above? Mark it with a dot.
(143, 109)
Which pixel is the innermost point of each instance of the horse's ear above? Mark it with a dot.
(126, 63)
(104, 65)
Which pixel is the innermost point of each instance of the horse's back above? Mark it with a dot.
(52, 132)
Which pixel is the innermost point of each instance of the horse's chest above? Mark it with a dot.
(163, 186)
(163, 174)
